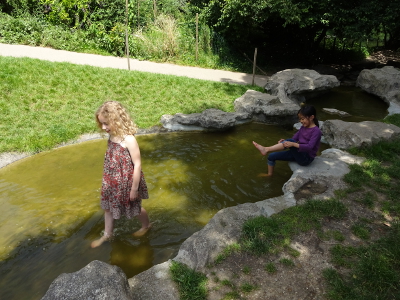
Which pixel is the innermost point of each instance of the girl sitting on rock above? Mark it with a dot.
(302, 147)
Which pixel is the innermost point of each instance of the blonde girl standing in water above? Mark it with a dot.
(123, 184)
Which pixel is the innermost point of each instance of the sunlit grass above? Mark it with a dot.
(191, 284)
(44, 104)
(263, 235)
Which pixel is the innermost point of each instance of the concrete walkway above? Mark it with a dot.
(122, 63)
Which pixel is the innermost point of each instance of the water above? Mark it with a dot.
(50, 201)
(51, 207)
(361, 105)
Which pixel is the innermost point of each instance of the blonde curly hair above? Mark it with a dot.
(117, 117)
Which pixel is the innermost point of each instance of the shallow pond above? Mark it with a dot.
(51, 211)
(51, 207)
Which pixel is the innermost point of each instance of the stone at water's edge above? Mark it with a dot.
(334, 111)
(266, 108)
(155, 283)
(210, 119)
(345, 135)
(295, 85)
(288, 88)
(98, 280)
(384, 83)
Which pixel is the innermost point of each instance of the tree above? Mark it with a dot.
(300, 24)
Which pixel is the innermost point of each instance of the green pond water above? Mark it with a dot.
(50, 201)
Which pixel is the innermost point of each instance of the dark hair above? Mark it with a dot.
(309, 111)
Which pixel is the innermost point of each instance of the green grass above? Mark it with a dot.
(287, 262)
(247, 287)
(263, 235)
(43, 104)
(246, 270)
(227, 252)
(270, 268)
(191, 284)
(374, 270)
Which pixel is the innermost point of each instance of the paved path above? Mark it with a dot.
(122, 63)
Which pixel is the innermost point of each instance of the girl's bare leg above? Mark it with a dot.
(270, 172)
(146, 225)
(108, 229)
(264, 150)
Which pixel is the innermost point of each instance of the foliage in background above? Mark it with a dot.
(285, 33)
(296, 28)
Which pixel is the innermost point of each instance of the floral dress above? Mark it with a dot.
(117, 183)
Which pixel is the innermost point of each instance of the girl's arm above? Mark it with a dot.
(134, 151)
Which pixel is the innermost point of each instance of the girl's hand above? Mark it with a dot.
(133, 195)
(288, 144)
(280, 141)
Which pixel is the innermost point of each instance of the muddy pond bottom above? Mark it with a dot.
(51, 202)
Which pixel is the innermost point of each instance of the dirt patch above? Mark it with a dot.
(235, 277)
(310, 189)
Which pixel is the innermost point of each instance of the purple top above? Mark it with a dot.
(308, 139)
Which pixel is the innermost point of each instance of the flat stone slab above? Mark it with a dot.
(211, 119)
(334, 111)
(345, 135)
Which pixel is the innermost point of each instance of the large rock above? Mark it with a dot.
(262, 107)
(384, 83)
(96, 281)
(211, 119)
(154, 283)
(224, 229)
(345, 135)
(295, 85)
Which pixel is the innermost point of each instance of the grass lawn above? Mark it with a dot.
(43, 104)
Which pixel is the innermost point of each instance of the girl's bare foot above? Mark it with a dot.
(264, 175)
(262, 149)
(100, 241)
(142, 231)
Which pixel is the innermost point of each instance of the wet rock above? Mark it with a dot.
(265, 108)
(384, 83)
(334, 111)
(297, 85)
(345, 135)
(98, 280)
(210, 119)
